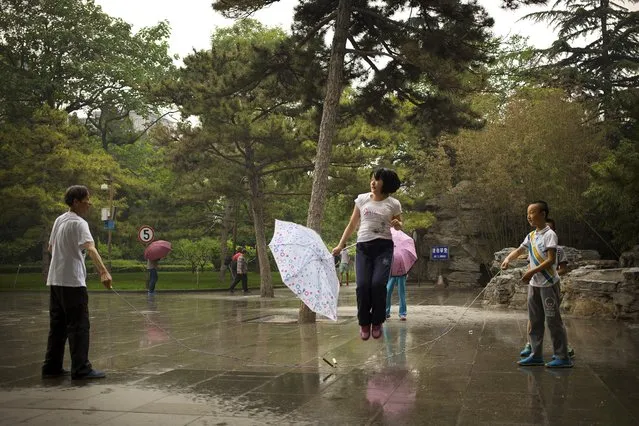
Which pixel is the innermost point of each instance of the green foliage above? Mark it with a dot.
(69, 54)
(423, 53)
(196, 253)
(607, 66)
(38, 162)
(614, 192)
(540, 149)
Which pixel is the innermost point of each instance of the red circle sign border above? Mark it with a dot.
(141, 228)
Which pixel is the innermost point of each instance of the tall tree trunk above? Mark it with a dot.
(224, 234)
(257, 208)
(327, 130)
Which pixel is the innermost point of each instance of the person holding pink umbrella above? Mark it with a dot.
(152, 268)
(404, 257)
(153, 253)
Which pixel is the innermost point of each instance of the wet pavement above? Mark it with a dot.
(216, 358)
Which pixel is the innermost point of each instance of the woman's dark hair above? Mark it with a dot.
(389, 178)
(544, 208)
(75, 192)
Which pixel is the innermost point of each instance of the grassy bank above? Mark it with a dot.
(137, 281)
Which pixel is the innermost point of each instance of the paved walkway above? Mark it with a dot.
(215, 358)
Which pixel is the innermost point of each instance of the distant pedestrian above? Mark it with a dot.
(400, 282)
(152, 267)
(70, 240)
(543, 291)
(241, 271)
(344, 266)
(233, 267)
(375, 212)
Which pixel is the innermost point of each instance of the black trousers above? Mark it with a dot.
(68, 319)
(238, 278)
(372, 267)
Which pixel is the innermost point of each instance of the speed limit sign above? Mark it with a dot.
(146, 234)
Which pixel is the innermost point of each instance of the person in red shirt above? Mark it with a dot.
(241, 271)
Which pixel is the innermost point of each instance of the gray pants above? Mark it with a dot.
(543, 306)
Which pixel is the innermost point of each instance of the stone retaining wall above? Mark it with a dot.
(596, 288)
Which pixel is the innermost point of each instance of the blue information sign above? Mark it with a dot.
(109, 225)
(439, 253)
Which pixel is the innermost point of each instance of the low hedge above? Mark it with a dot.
(117, 265)
(24, 267)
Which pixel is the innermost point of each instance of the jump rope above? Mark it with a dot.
(331, 362)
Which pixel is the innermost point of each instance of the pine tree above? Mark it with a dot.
(251, 120)
(428, 47)
(596, 54)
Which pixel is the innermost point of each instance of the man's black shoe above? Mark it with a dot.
(93, 374)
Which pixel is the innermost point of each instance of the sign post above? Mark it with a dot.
(146, 234)
(439, 253)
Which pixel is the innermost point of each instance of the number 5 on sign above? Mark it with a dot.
(146, 234)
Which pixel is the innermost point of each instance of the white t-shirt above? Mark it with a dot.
(67, 267)
(344, 257)
(561, 256)
(375, 217)
(543, 241)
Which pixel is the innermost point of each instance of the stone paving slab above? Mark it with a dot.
(216, 358)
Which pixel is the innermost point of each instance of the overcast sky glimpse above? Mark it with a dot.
(193, 21)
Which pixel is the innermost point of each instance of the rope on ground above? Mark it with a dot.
(429, 342)
(323, 357)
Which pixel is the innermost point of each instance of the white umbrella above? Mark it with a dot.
(306, 267)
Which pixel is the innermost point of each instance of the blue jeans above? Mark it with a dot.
(401, 289)
(153, 278)
(372, 267)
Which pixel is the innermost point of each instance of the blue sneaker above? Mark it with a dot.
(571, 353)
(531, 361)
(560, 363)
(525, 353)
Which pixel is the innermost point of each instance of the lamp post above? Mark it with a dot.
(108, 186)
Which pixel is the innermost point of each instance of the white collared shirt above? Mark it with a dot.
(67, 267)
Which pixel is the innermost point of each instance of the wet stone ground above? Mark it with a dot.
(216, 358)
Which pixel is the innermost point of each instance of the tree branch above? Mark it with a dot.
(317, 27)
(282, 169)
(215, 151)
(372, 53)
(151, 125)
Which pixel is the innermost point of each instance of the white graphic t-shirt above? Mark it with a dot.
(541, 242)
(375, 217)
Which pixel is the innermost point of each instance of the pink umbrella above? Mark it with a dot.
(157, 250)
(404, 254)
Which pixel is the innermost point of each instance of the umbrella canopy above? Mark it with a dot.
(404, 254)
(306, 267)
(157, 250)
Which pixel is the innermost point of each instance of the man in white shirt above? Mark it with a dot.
(343, 266)
(69, 301)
